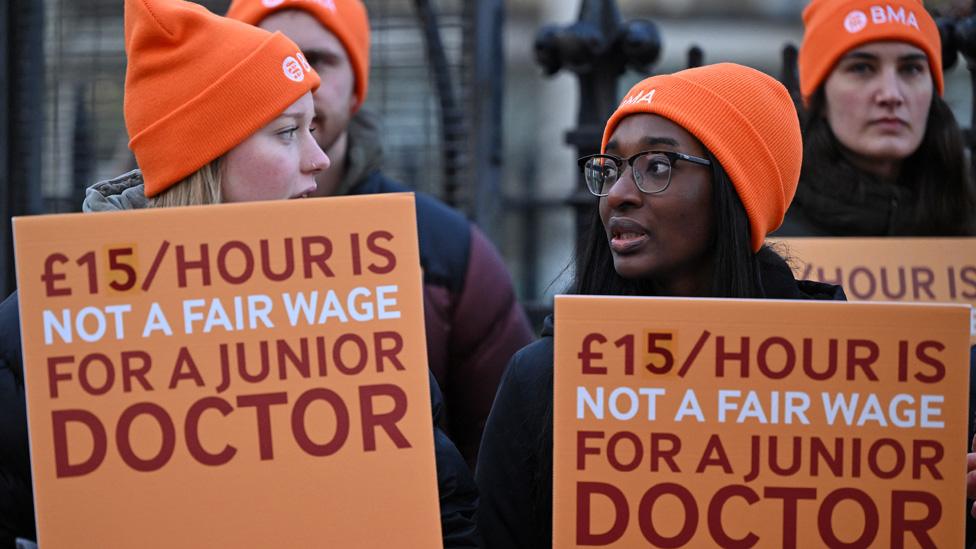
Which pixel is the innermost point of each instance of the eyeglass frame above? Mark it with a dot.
(672, 156)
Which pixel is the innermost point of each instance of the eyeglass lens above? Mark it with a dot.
(652, 172)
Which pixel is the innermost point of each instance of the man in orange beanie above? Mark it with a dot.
(474, 324)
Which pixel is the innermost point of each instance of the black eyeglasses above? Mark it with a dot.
(651, 169)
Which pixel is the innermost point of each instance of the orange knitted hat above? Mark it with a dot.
(198, 84)
(745, 118)
(346, 19)
(834, 27)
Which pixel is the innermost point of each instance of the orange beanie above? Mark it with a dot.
(745, 118)
(834, 27)
(198, 84)
(346, 19)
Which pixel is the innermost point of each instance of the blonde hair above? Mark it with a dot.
(200, 187)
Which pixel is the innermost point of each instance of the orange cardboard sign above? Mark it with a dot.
(890, 269)
(721, 423)
(246, 375)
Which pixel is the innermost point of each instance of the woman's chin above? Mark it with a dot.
(631, 267)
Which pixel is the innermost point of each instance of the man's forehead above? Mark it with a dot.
(303, 28)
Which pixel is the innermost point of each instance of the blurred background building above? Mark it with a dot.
(468, 114)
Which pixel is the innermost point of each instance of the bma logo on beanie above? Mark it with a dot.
(855, 21)
(642, 96)
(293, 69)
(880, 15)
(303, 61)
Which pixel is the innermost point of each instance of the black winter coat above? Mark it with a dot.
(514, 471)
(16, 496)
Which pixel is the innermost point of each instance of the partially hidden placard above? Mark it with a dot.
(707, 423)
(890, 269)
(247, 375)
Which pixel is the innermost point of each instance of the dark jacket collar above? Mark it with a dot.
(846, 201)
(778, 281)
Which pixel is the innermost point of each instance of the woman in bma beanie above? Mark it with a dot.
(883, 154)
(697, 168)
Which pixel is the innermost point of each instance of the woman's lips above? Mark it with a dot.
(304, 194)
(625, 243)
(889, 124)
(626, 235)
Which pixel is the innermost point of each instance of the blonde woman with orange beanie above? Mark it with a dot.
(697, 168)
(217, 111)
(883, 154)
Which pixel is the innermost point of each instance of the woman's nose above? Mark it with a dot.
(624, 191)
(317, 160)
(889, 91)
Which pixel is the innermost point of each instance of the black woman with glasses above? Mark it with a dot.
(696, 168)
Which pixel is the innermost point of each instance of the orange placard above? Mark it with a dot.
(890, 269)
(247, 375)
(721, 423)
